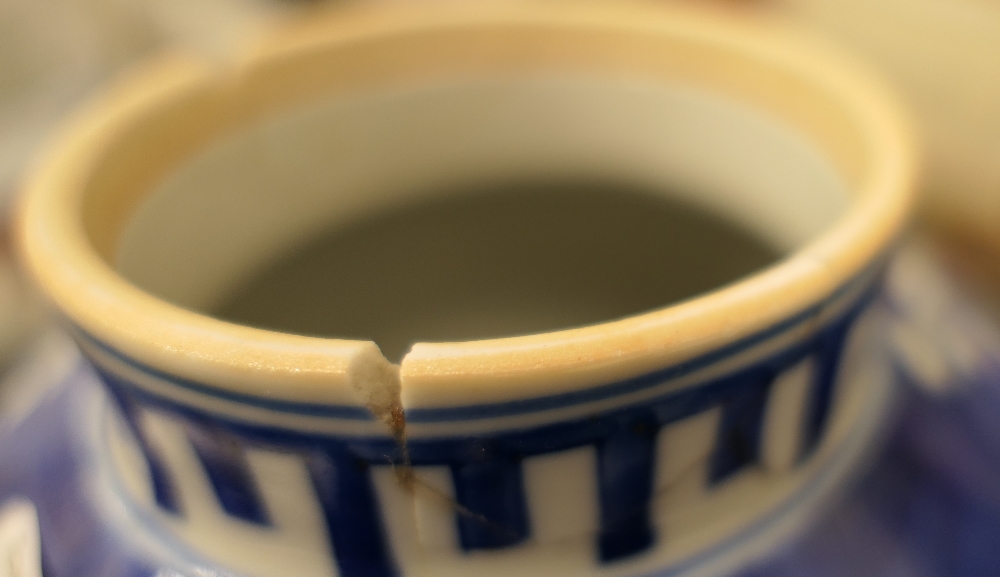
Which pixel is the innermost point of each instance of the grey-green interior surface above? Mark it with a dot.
(496, 261)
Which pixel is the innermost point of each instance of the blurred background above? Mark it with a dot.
(943, 55)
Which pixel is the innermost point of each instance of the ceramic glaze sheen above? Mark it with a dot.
(693, 438)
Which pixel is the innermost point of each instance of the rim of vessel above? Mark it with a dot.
(874, 149)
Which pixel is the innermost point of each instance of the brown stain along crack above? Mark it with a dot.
(415, 484)
(377, 382)
(407, 479)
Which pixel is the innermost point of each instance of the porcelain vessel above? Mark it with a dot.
(698, 438)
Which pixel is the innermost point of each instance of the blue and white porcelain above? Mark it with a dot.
(923, 504)
(702, 438)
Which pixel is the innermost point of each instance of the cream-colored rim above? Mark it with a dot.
(79, 199)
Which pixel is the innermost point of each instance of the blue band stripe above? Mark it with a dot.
(602, 392)
(870, 277)
(347, 412)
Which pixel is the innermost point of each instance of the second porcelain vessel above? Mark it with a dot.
(695, 437)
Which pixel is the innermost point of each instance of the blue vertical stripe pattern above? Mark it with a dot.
(492, 512)
(222, 456)
(625, 465)
(738, 442)
(164, 491)
(346, 496)
(828, 350)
